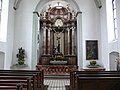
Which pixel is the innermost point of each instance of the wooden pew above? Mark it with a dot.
(98, 83)
(13, 80)
(39, 75)
(20, 76)
(75, 74)
(6, 86)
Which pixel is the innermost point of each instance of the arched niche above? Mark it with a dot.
(35, 54)
(2, 59)
(113, 60)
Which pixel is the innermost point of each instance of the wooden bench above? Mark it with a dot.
(40, 74)
(37, 76)
(13, 80)
(6, 86)
(75, 74)
(98, 83)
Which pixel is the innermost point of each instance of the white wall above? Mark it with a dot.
(90, 25)
(114, 46)
(10, 36)
(6, 29)
(118, 22)
(23, 29)
(23, 25)
(2, 46)
(4, 19)
(3, 32)
(20, 32)
(104, 36)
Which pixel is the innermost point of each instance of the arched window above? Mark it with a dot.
(111, 20)
(4, 7)
(114, 19)
(0, 7)
(0, 12)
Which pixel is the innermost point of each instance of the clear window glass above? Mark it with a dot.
(114, 19)
(0, 8)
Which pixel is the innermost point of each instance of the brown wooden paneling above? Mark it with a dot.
(72, 59)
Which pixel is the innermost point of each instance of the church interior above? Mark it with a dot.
(59, 44)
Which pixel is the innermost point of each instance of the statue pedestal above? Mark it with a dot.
(19, 67)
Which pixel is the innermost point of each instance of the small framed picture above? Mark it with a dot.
(91, 49)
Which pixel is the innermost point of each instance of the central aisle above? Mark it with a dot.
(56, 84)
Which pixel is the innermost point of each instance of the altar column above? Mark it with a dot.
(44, 40)
(49, 40)
(68, 41)
(73, 40)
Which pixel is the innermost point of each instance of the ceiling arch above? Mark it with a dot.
(39, 7)
(46, 3)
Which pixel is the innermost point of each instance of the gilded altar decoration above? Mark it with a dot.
(57, 57)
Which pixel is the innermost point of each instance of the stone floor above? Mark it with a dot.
(56, 84)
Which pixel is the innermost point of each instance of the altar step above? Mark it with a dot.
(57, 76)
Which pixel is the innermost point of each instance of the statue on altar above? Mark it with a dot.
(58, 46)
(57, 58)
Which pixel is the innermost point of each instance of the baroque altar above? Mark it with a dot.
(58, 36)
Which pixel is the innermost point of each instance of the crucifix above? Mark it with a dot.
(58, 37)
(58, 46)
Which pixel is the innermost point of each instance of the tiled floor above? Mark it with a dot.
(56, 84)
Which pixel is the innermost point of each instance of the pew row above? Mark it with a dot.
(6, 86)
(75, 76)
(98, 83)
(40, 76)
(12, 80)
(36, 80)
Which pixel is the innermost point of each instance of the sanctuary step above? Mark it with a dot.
(57, 76)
